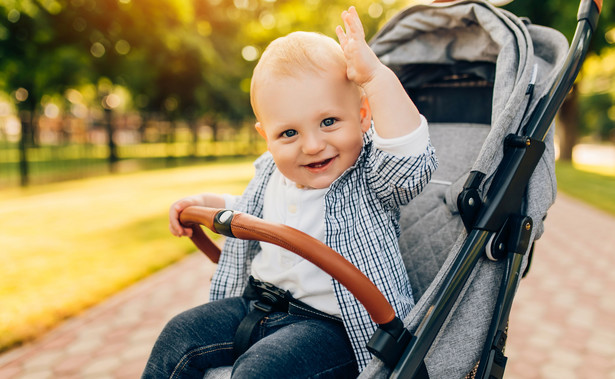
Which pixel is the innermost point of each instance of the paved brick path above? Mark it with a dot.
(114, 339)
(563, 318)
(562, 325)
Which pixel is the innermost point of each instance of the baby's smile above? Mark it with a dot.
(320, 164)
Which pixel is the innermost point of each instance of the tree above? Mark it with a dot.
(34, 62)
(561, 15)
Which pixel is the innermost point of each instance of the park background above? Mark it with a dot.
(112, 109)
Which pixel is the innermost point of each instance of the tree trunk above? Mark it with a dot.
(113, 157)
(25, 141)
(569, 120)
(194, 129)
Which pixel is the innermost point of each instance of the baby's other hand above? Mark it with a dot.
(176, 228)
(362, 63)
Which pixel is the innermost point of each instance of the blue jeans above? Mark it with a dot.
(283, 345)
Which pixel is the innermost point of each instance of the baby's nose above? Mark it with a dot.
(313, 143)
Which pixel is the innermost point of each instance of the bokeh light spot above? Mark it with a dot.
(111, 101)
(122, 47)
(97, 49)
(375, 10)
(250, 53)
(13, 15)
(51, 110)
(21, 94)
(204, 28)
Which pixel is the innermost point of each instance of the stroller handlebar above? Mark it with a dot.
(248, 227)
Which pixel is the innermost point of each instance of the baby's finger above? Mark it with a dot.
(353, 22)
(341, 36)
(174, 231)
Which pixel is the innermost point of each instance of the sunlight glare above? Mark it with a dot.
(51, 110)
(267, 20)
(250, 53)
(375, 10)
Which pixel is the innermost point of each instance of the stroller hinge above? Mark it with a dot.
(469, 201)
(389, 342)
(514, 237)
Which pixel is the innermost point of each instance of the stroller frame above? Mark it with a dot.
(496, 226)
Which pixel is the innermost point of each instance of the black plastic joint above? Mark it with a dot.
(520, 234)
(513, 140)
(389, 342)
(222, 222)
(469, 201)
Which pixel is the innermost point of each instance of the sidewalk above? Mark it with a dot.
(562, 324)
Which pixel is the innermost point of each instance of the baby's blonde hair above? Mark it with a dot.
(294, 54)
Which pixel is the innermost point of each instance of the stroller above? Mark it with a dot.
(468, 238)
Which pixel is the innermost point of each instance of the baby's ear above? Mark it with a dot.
(366, 114)
(260, 130)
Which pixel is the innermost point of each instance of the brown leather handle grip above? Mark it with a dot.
(245, 226)
(193, 217)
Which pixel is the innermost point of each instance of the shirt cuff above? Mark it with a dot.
(411, 144)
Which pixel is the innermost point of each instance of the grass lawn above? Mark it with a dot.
(593, 185)
(67, 246)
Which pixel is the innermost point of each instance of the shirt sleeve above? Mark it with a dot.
(411, 144)
(229, 200)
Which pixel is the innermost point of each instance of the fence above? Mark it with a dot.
(68, 152)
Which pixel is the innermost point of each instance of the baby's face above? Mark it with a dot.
(314, 125)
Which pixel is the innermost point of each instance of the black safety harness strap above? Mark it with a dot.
(267, 299)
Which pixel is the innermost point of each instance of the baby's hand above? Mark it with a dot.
(362, 63)
(176, 228)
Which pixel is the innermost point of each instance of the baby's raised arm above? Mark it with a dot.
(393, 111)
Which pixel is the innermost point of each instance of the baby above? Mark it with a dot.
(329, 173)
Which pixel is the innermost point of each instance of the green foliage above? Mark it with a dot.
(182, 58)
(595, 189)
(561, 15)
(597, 96)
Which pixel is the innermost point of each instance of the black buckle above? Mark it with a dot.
(270, 297)
(267, 308)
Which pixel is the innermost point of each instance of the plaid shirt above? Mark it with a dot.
(361, 223)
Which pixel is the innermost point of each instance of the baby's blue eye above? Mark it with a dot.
(328, 121)
(289, 133)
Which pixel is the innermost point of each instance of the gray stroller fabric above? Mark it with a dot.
(432, 231)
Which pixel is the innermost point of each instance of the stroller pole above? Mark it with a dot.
(587, 20)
